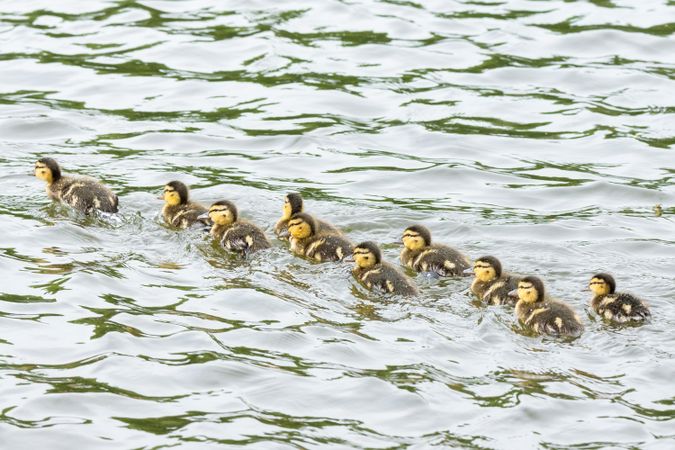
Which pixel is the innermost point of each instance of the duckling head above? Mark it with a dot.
(47, 169)
(223, 212)
(292, 205)
(416, 237)
(531, 289)
(602, 284)
(367, 254)
(487, 268)
(175, 193)
(302, 225)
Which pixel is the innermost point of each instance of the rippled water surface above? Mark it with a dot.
(538, 131)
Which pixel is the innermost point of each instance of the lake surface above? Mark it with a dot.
(539, 132)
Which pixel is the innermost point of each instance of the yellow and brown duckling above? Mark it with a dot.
(614, 306)
(178, 210)
(544, 315)
(378, 275)
(234, 234)
(422, 256)
(293, 204)
(491, 285)
(307, 240)
(82, 193)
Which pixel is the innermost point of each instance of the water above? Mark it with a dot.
(540, 132)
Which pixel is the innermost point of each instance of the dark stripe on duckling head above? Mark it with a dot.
(607, 278)
(534, 282)
(421, 231)
(223, 205)
(369, 247)
(491, 261)
(182, 190)
(298, 218)
(295, 200)
(53, 166)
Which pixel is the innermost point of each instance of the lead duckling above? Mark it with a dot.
(614, 306)
(178, 210)
(490, 284)
(421, 255)
(378, 275)
(82, 193)
(293, 204)
(544, 315)
(307, 240)
(235, 235)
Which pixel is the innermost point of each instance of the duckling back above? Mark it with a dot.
(550, 317)
(328, 247)
(245, 238)
(621, 308)
(184, 215)
(84, 194)
(440, 259)
(496, 291)
(385, 278)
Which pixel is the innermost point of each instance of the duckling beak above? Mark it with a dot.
(204, 216)
(513, 293)
(284, 234)
(161, 197)
(468, 271)
(349, 258)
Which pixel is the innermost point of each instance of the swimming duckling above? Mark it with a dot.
(293, 204)
(616, 307)
(234, 234)
(379, 275)
(421, 255)
(491, 285)
(178, 210)
(544, 315)
(82, 193)
(307, 240)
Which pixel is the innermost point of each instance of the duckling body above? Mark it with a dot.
(378, 275)
(320, 246)
(543, 315)
(614, 306)
(82, 193)
(178, 210)
(235, 235)
(491, 285)
(293, 204)
(422, 256)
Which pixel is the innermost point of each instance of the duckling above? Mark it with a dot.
(379, 275)
(293, 204)
(82, 193)
(544, 315)
(423, 256)
(616, 306)
(491, 285)
(178, 210)
(307, 240)
(236, 235)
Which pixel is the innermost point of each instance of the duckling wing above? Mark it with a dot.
(442, 260)
(331, 247)
(386, 279)
(555, 319)
(87, 195)
(245, 238)
(622, 308)
(188, 215)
